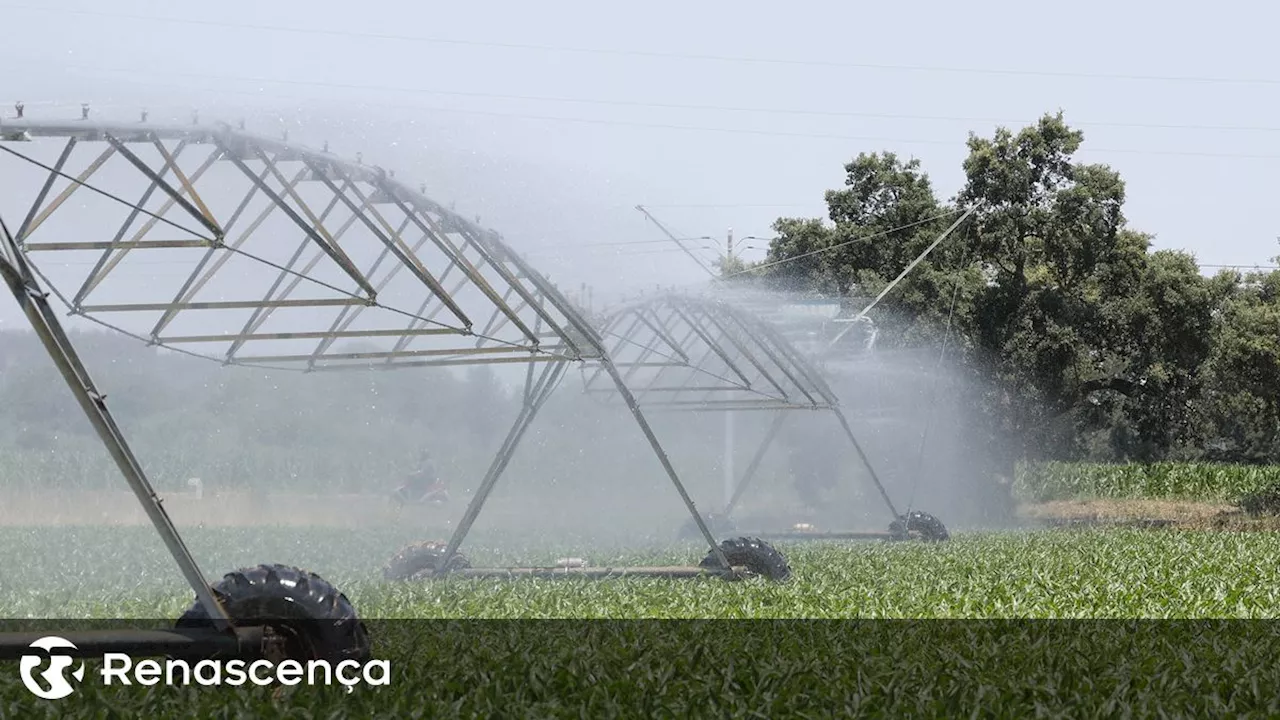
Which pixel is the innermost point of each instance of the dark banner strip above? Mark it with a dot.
(713, 668)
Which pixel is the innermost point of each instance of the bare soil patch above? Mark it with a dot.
(1172, 514)
(1236, 521)
(1123, 510)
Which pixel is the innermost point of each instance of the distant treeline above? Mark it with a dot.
(358, 431)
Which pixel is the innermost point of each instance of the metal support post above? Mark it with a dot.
(34, 303)
(750, 472)
(728, 456)
(534, 401)
(848, 431)
(666, 461)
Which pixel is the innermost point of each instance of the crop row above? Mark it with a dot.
(1183, 481)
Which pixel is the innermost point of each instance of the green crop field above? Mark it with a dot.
(1181, 481)
(76, 572)
(1049, 623)
(620, 666)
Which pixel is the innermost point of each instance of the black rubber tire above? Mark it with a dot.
(758, 556)
(318, 621)
(920, 525)
(418, 560)
(717, 523)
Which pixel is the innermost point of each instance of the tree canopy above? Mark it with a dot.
(1087, 342)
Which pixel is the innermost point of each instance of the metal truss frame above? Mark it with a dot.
(369, 194)
(707, 355)
(548, 327)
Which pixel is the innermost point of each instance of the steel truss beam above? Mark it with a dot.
(366, 245)
(707, 354)
(547, 327)
(742, 364)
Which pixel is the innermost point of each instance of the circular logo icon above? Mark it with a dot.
(55, 685)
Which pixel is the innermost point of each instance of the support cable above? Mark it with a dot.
(933, 398)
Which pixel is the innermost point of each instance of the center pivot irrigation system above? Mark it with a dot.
(247, 250)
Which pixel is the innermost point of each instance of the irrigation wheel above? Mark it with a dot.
(919, 525)
(757, 556)
(419, 559)
(311, 617)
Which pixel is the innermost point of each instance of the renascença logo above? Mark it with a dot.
(55, 676)
(120, 669)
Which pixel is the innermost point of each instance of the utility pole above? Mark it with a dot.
(728, 456)
(726, 269)
(728, 254)
(727, 266)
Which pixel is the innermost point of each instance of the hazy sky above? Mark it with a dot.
(551, 121)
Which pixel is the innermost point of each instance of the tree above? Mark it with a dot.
(1052, 234)
(1240, 410)
(885, 215)
(1084, 341)
(1167, 325)
(796, 260)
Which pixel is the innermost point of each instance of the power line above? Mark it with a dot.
(729, 205)
(611, 244)
(618, 253)
(776, 133)
(133, 262)
(133, 72)
(706, 57)
(829, 248)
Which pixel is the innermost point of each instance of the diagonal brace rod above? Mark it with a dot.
(750, 472)
(549, 378)
(44, 191)
(658, 450)
(848, 431)
(393, 242)
(165, 187)
(44, 322)
(334, 253)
